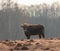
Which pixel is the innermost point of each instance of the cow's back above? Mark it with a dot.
(35, 29)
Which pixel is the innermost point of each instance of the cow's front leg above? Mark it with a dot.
(40, 36)
(28, 36)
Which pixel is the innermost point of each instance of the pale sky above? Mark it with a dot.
(34, 2)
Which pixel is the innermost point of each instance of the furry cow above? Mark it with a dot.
(33, 29)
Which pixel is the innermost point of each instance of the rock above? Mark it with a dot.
(32, 40)
(29, 44)
(11, 49)
(52, 50)
(17, 48)
(6, 40)
(37, 43)
(47, 48)
(11, 43)
(19, 45)
(24, 48)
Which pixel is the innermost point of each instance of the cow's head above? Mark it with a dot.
(25, 26)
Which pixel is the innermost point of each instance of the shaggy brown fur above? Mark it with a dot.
(33, 29)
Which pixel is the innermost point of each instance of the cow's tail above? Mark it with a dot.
(42, 32)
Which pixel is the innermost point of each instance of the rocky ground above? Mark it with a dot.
(52, 44)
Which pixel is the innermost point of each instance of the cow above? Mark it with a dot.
(33, 29)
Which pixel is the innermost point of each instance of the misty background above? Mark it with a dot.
(13, 15)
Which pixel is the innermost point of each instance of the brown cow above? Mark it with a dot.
(33, 29)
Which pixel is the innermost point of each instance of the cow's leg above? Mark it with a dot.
(28, 36)
(43, 35)
(40, 36)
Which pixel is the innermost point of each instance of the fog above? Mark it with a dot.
(12, 16)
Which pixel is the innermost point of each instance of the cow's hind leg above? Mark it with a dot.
(43, 35)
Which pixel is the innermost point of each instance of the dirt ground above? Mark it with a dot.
(52, 44)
